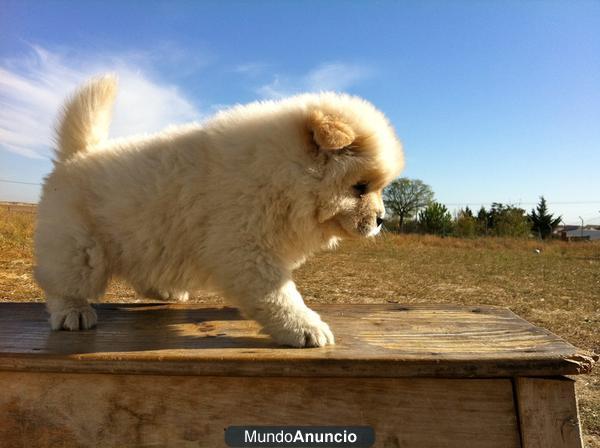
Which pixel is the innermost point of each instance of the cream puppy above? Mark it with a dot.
(233, 204)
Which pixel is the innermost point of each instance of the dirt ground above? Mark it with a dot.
(556, 286)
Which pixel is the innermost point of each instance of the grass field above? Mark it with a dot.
(558, 288)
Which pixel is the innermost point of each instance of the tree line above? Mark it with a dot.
(412, 207)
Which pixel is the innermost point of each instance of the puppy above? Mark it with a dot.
(233, 204)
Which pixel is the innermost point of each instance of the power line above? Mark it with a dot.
(591, 218)
(19, 182)
(452, 204)
(456, 204)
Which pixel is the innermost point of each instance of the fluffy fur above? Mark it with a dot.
(233, 204)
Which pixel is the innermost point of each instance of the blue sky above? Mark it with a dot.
(494, 101)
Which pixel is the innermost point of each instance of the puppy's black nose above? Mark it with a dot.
(379, 221)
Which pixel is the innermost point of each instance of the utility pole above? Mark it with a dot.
(581, 227)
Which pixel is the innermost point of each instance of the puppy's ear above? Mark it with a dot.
(330, 132)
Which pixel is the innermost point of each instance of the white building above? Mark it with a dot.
(584, 234)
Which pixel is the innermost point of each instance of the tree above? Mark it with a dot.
(542, 222)
(436, 219)
(482, 221)
(404, 197)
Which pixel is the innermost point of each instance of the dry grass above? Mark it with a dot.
(559, 288)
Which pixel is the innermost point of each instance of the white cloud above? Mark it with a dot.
(276, 89)
(336, 76)
(251, 68)
(33, 88)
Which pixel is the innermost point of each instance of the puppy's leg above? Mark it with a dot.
(278, 307)
(71, 270)
(289, 321)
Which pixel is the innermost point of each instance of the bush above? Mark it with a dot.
(435, 219)
(507, 220)
(503, 220)
(465, 226)
(409, 226)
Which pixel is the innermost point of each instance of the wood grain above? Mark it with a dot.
(371, 341)
(80, 410)
(548, 413)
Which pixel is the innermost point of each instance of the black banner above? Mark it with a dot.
(299, 436)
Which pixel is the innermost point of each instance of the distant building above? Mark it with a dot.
(558, 230)
(587, 233)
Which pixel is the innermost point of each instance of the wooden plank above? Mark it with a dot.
(548, 413)
(65, 410)
(371, 340)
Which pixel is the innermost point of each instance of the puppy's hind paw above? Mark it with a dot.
(73, 319)
(163, 294)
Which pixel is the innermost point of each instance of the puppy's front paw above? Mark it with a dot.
(303, 331)
(74, 318)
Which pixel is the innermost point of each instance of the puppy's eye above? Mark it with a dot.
(361, 188)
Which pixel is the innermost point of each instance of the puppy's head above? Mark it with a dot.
(358, 154)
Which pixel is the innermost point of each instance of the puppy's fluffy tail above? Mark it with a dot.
(86, 117)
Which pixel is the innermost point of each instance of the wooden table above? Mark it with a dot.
(177, 375)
